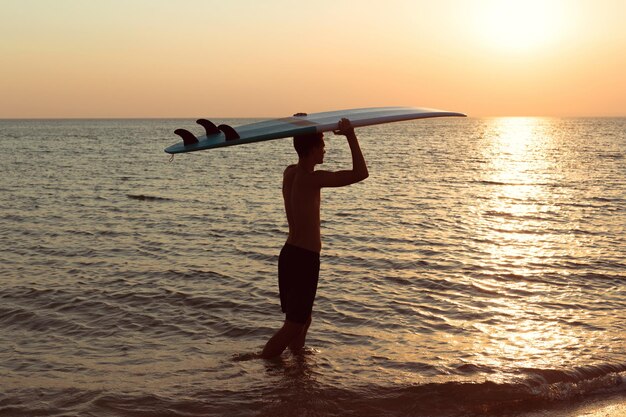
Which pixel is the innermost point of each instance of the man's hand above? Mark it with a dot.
(345, 128)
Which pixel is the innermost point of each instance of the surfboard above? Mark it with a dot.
(298, 124)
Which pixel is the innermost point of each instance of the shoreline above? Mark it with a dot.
(603, 405)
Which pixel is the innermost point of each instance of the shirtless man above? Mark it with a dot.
(299, 260)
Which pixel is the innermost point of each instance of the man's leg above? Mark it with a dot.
(282, 338)
(298, 343)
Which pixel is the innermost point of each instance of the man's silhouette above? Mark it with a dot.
(299, 260)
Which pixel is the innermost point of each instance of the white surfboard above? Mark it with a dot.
(298, 124)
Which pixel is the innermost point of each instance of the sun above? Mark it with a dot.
(521, 25)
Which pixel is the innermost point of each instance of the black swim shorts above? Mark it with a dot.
(298, 272)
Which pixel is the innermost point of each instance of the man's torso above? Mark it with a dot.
(302, 206)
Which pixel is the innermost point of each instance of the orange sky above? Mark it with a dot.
(191, 58)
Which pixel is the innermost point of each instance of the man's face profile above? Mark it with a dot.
(319, 152)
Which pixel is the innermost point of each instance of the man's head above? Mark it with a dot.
(310, 146)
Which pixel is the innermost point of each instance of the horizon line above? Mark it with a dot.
(276, 117)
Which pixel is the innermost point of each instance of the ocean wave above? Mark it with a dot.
(298, 394)
(519, 184)
(544, 216)
(143, 197)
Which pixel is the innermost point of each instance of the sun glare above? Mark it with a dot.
(521, 25)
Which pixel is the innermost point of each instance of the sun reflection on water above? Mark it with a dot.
(518, 183)
(515, 226)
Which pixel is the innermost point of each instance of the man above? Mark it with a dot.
(299, 260)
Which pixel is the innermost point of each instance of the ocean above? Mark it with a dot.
(479, 271)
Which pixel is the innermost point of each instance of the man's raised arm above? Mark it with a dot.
(359, 168)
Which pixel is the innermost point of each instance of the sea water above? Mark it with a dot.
(479, 270)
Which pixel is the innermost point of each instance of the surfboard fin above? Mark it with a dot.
(229, 132)
(208, 126)
(187, 137)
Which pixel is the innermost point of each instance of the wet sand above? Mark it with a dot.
(613, 405)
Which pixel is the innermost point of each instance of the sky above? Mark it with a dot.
(272, 58)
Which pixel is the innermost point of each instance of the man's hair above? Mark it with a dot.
(304, 143)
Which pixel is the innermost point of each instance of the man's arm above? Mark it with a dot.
(359, 168)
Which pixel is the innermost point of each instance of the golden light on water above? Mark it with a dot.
(517, 235)
(518, 173)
